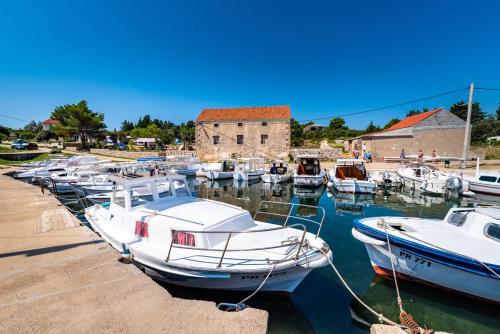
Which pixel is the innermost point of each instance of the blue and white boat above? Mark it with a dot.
(460, 253)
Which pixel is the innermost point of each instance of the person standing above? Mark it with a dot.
(402, 154)
(434, 155)
(420, 155)
(364, 148)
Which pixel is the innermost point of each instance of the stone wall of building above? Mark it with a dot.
(323, 154)
(446, 142)
(278, 141)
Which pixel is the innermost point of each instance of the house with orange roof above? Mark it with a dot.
(224, 133)
(48, 124)
(438, 130)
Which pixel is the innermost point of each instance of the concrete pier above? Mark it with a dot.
(57, 276)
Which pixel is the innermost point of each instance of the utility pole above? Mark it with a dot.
(467, 126)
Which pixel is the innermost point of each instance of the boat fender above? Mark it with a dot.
(329, 184)
(126, 257)
(230, 307)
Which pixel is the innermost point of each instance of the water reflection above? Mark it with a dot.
(284, 315)
(432, 308)
(321, 304)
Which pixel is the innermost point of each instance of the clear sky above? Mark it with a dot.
(129, 58)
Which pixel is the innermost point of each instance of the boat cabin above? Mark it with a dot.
(228, 165)
(250, 164)
(308, 165)
(348, 169)
(278, 168)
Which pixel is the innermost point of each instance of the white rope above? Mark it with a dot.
(379, 316)
(399, 300)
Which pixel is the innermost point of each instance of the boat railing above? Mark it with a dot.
(285, 243)
(260, 210)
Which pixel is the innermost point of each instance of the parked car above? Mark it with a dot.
(21, 144)
(122, 146)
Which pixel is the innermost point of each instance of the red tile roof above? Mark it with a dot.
(407, 122)
(51, 121)
(244, 114)
(412, 120)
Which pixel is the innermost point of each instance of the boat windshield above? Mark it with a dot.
(308, 167)
(357, 172)
(181, 188)
(140, 195)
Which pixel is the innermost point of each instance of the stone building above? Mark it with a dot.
(437, 129)
(243, 132)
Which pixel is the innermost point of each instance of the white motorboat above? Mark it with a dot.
(385, 178)
(249, 169)
(485, 182)
(204, 170)
(459, 253)
(62, 182)
(349, 176)
(428, 179)
(308, 172)
(278, 173)
(59, 166)
(203, 243)
(226, 170)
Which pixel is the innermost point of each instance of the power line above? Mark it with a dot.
(17, 119)
(387, 107)
(485, 88)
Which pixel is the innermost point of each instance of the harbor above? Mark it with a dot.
(59, 276)
(261, 167)
(59, 212)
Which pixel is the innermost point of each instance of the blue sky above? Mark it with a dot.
(172, 59)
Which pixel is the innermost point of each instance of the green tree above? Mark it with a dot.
(460, 109)
(296, 134)
(498, 112)
(127, 126)
(151, 131)
(79, 119)
(372, 128)
(414, 112)
(391, 123)
(143, 122)
(483, 129)
(187, 133)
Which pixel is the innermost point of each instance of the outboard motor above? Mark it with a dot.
(454, 184)
(387, 178)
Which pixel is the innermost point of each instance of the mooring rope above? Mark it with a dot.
(399, 300)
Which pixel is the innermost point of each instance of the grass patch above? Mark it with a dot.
(41, 157)
(6, 149)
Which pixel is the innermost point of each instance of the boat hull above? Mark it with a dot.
(484, 188)
(282, 280)
(308, 180)
(275, 178)
(215, 175)
(241, 176)
(354, 187)
(416, 267)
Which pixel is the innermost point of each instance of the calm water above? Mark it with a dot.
(321, 304)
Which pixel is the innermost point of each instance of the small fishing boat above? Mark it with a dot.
(429, 179)
(249, 169)
(226, 170)
(349, 176)
(308, 172)
(485, 182)
(204, 170)
(459, 253)
(385, 178)
(278, 173)
(202, 243)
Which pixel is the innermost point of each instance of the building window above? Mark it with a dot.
(240, 124)
(263, 139)
(239, 139)
(216, 125)
(216, 140)
(264, 123)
